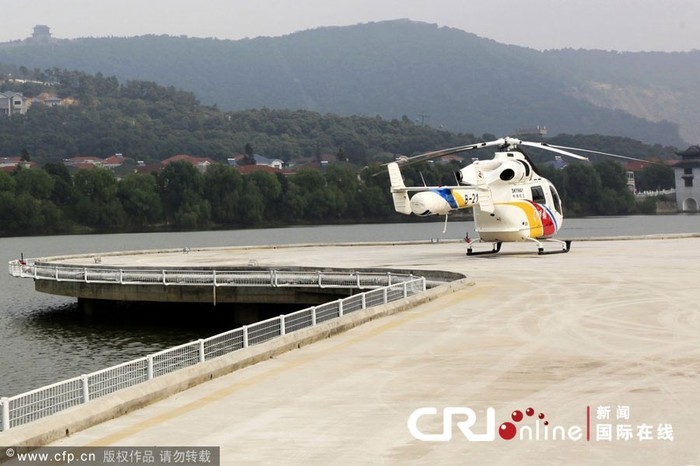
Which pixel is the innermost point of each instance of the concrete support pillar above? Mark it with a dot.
(87, 306)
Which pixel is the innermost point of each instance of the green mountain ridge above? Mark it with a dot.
(454, 79)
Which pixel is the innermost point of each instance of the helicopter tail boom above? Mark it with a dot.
(436, 200)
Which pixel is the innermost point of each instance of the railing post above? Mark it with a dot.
(149, 370)
(364, 300)
(359, 284)
(245, 336)
(164, 283)
(313, 316)
(405, 289)
(85, 275)
(283, 329)
(340, 308)
(5, 403)
(86, 388)
(201, 350)
(213, 288)
(424, 286)
(388, 274)
(385, 293)
(121, 276)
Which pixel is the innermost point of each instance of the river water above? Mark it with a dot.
(44, 339)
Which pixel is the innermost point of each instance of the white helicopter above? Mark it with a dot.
(511, 201)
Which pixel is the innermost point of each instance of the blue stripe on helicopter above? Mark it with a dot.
(552, 216)
(446, 194)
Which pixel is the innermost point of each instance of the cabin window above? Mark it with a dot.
(555, 197)
(538, 195)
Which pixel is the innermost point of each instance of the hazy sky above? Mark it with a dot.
(623, 25)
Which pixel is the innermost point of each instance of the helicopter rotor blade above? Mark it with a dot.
(445, 152)
(557, 149)
(605, 153)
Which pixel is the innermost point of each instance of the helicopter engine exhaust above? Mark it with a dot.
(429, 203)
(514, 171)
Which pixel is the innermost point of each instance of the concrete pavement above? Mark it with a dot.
(611, 328)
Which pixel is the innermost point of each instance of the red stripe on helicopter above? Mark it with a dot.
(549, 224)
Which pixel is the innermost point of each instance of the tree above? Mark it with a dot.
(615, 198)
(655, 177)
(97, 203)
(63, 192)
(181, 188)
(223, 189)
(139, 197)
(315, 201)
(582, 188)
(252, 204)
(36, 183)
(343, 187)
(269, 191)
(249, 158)
(7, 183)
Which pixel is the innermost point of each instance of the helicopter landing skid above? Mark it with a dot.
(565, 246)
(495, 248)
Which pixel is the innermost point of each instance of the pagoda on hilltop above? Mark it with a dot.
(687, 189)
(41, 34)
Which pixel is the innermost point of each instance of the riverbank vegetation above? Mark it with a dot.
(180, 197)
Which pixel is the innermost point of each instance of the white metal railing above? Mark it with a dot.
(36, 404)
(205, 277)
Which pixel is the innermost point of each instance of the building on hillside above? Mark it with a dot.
(202, 163)
(10, 164)
(50, 100)
(236, 161)
(631, 168)
(113, 161)
(83, 162)
(143, 167)
(12, 103)
(538, 131)
(687, 187)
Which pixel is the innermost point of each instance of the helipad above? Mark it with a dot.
(604, 338)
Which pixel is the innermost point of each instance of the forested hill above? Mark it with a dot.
(99, 116)
(451, 78)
